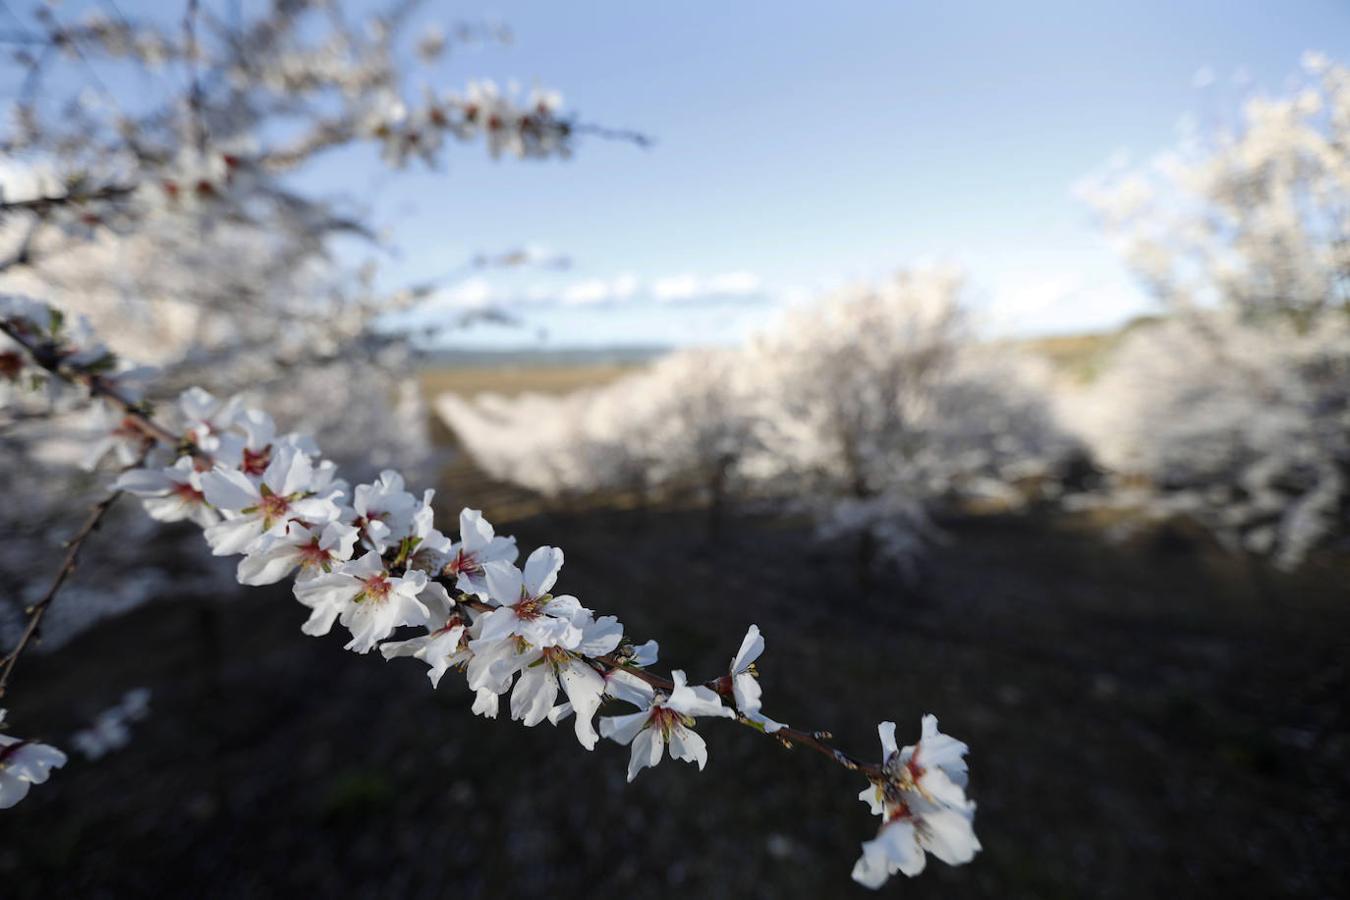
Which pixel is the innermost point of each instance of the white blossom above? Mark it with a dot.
(427, 548)
(266, 506)
(313, 551)
(365, 599)
(170, 494)
(24, 764)
(478, 545)
(667, 721)
(111, 432)
(526, 608)
(543, 670)
(645, 654)
(204, 416)
(922, 804)
(443, 645)
(745, 682)
(382, 510)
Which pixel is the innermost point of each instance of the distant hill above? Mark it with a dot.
(1081, 356)
(477, 357)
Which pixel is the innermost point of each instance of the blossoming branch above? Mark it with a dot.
(369, 559)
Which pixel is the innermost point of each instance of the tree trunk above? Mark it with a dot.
(865, 560)
(717, 499)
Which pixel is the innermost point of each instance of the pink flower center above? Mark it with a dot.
(362, 523)
(897, 812)
(274, 506)
(188, 494)
(464, 564)
(255, 461)
(451, 623)
(665, 718)
(376, 588)
(7, 752)
(11, 364)
(314, 556)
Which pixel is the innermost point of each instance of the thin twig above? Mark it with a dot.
(195, 102)
(46, 355)
(628, 135)
(44, 203)
(24, 254)
(39, 609)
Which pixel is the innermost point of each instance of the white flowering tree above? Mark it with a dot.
(1252, 219)
(156, 179)
(866, 411)
(370, 560)
(1236, 409)
(879, 405)
(709, 432)
(685, 426)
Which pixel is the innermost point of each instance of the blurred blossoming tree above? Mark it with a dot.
(152, 181)
(866, 411)
(1236, 409)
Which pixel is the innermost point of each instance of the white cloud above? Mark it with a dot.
(595, 291)
(678, 288)
(472, 293)
(675, 287)
(479, 292)
(735, 284)
(585, 293)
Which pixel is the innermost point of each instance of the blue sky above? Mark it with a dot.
(802, 145)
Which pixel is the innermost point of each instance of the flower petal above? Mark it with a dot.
(751, 647)
(647, 749)
(622, 729)
(541, 570)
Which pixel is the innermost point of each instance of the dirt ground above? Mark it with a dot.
(1142, 720)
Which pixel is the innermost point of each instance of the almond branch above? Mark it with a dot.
(68, 564)
(48, 355)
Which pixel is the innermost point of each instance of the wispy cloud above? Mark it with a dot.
(595, 291)
(471, 293)
(479, 292)
(727, 285)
